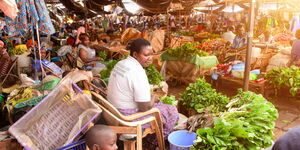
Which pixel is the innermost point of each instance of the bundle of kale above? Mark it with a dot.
(247, 124)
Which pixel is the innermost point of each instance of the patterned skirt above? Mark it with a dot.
(169, 115)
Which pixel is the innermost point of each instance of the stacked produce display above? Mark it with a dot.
(289, 77)
(217, 47)
(284, 36)
(245, 122)
(200, 95)
(206, 35)
(185, 33)
(188, 49)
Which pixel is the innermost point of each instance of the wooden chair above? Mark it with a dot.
(128, 124)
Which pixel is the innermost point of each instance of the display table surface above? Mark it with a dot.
(231, 82)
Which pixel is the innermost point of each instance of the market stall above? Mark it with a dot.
(201, 52)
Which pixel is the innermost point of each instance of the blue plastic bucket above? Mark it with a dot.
(181, 140)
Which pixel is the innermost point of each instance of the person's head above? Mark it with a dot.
(240, 30)
(84, 38)
(297, 34)
(101, 137)
(43, 53)
(69, 29)
(230, 28)
(1, 44)
(141, 50)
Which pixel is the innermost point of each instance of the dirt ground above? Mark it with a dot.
(288, 108)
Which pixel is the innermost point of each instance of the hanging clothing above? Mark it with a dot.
(295, 24)
(9, 7)
(30, 12)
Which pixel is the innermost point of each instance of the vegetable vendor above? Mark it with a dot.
(295, 59)
(129, 88)
(240, 40)
(238, 46)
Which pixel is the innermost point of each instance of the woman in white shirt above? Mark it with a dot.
(129, 88)
(88, 55)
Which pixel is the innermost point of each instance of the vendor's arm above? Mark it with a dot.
(142, 92)
(145, 106)
(84, 58)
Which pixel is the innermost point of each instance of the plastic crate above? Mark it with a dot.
(79, 145)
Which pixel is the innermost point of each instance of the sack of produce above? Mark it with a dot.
(23, 60)
(157, 39)
(129, 35)
(183, 71)
(279, 60)
(179, 41)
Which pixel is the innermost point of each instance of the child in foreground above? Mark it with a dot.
(101, 137)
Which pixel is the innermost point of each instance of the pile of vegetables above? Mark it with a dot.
(289, 77)
(102, 55)
(153, 75)
(109, 66)
(213, 44)
(170, 100)
(186, 33)
(18, 50)
(248, 124)
(187, 50)
(200, 95)
(285, 36)
(206, 34)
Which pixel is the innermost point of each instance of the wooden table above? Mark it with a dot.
(258, 88)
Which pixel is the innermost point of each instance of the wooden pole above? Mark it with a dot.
(249, 46)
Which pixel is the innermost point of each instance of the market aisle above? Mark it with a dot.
(288, 108)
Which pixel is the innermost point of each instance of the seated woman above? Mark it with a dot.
(88, 55)
(129, 88)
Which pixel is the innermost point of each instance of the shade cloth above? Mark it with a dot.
(30, 12)
(9, 7)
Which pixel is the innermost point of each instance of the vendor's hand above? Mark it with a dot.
(155, 98)
(98, 58)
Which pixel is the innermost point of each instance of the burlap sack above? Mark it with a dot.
(157, 39)
(183, 71)
(179, 41)
(129, 35)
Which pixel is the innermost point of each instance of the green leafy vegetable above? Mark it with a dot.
(289, 77)
(170, 100)
(246, 125)
(153, 75)
(186, 33)
(102, 55)
(200, 95)
(188, 49)
(109, 66)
